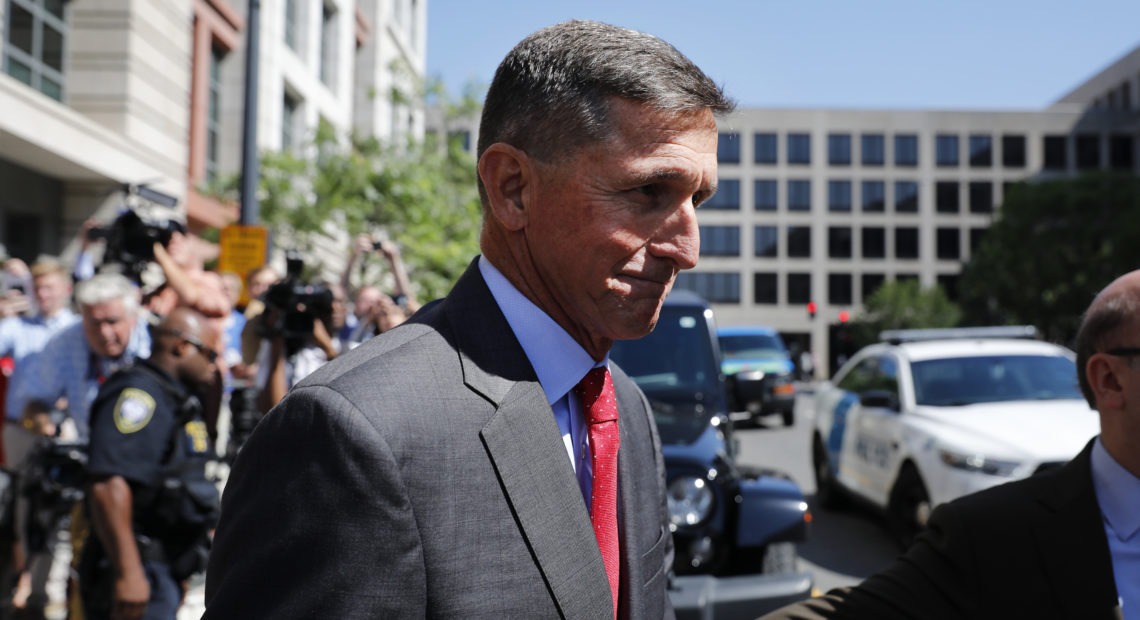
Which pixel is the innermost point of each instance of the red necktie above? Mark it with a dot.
(596, 391)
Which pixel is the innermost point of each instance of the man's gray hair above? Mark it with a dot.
(551, 94)
(106, 287)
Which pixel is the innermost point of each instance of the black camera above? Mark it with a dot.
(149, 218)
(296, 304)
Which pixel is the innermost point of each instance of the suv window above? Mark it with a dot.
(861, 377)
(958, 381)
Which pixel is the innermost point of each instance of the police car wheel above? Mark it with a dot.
(909, 506)
(827, 494)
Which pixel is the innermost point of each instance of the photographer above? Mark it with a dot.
(373, 311)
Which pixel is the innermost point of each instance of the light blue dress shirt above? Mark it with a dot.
(558, 361)
(21, 336)
(1118, 493)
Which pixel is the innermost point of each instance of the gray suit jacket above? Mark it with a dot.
(423, 475)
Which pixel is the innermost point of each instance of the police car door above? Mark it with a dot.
(879, 428)
(843, 440)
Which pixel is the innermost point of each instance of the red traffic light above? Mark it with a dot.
(811, 309)
(843, 316)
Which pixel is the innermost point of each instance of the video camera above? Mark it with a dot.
(296, 305)
(150, 217)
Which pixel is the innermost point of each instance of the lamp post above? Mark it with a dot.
(250, 168)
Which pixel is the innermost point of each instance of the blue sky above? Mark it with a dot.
(945, 54)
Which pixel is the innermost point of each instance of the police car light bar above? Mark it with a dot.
(895, 336)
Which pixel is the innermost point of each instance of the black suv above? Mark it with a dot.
(734, 528)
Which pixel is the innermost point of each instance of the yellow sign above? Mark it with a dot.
(241, 250)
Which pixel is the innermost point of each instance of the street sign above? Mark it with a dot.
(241, 250)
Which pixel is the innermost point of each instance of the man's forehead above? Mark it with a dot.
(105, 308)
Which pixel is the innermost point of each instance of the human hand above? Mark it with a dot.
(132, 591)
(362, 245)
(85, 234)
(323, 339)
(389, 249)
(13, 303)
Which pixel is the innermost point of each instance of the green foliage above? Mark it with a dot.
(1054, 245)
(903, 305)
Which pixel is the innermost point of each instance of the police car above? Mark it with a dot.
(926, 416)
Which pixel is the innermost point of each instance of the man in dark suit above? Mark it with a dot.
(1063, 544)
(445, 468)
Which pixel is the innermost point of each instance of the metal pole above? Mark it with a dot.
(250, 169)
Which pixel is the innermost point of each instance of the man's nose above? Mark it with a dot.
(679, 239)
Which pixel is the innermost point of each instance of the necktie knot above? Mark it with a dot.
(596, 390)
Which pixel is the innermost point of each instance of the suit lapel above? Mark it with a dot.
(526, 450)
(1076, 560)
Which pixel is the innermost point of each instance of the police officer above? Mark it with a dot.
(148, 498)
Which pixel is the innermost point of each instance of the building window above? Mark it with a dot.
(328, 46)
(799, 195)
(946, 197)
(871, 283)
(720, 240)
(1013, 151)
(214, 112)
(906, 150)
(949, 284)
(1055, 155)
(981, 197)
(948, 244)
(292, 25)
(1120, 152)
(839, 195)
(799, 288)
(906, 242)
(765, 241)
(716, 287)
(764, 289)
(946, 150)
(765, 197)
(1088, 152)
(981, 151)
(839, 291)
(35, 46)
(874, 242)
(799, 242)
(906, 277)
(728, 148)
(838, 242)
(290, 118)
(839, 149)
(976, 235)
(873, 149)
(727, 196)
(765, 148)
(906, 197)
(874, 196)
(799, 148)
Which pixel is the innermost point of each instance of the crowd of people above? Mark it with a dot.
(97, 366)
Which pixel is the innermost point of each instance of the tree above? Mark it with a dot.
(903, 305)
(1053, 246)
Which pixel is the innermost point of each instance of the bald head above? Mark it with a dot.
(1112, 320)
(179, 346)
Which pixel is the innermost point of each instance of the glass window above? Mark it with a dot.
(861, 377)
(1055, 154)
(799, 242)
(946, 150)
(213, 113)
(289, 120)
(839, 149)
(948, 243)
(764, 289)
(946, 197)
(328, 46)
(906, 197)
(799, 288)
(958, 381)
(716, 287)
(765, 148)
(949, 284)
(1088, 151)
(799, 148)
(720, 240)
(981, 197)
(1120, 152)
(766, 241)
(727, 196)
(874, 242)
(799, 195)
(873, 149)
(36, 45)
(871, 283)
(291, 25)
(981, 151)
(765, 194)
(838, 242)
(874, 196)
(839, 195)
(906, 242)
(839, 291)
(906, 150)
(976, 235)
(1013, 151)
(728, 148)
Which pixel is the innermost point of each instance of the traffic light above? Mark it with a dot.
(811, 309)
(843, 316)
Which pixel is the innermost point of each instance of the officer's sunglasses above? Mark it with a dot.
(210, 354)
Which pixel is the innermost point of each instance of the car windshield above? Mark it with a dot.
(745, 346)
(676, 367)
(968, 380)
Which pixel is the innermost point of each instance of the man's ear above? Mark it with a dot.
(506, 173)
(1104, 382)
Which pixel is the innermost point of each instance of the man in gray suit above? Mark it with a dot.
(444, 468)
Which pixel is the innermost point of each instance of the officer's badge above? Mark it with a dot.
(133, 411)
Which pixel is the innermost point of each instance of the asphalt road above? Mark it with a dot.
(844, 546)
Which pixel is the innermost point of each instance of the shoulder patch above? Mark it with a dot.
(133, 411)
